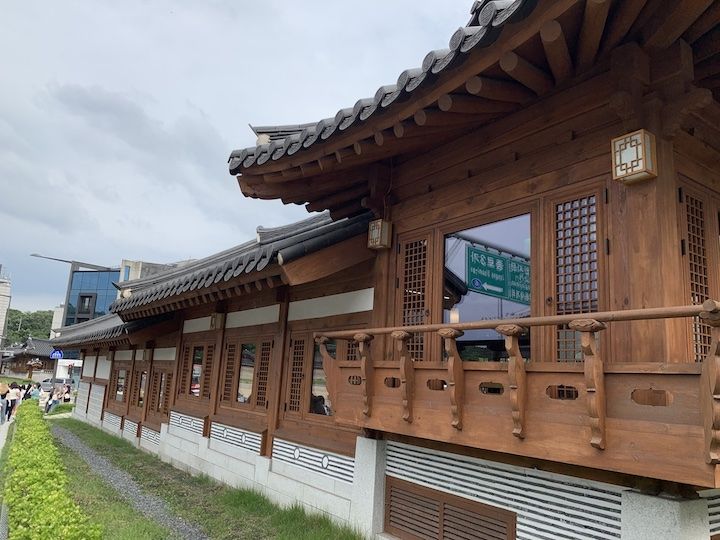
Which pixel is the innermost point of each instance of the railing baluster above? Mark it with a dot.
(407, 372)
(366, 370)
(456, 375)
(327, 366)
(710, 385)
(516, 375)
(594, 378)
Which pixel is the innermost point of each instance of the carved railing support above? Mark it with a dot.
(366, 370)
(710, 385)
(516, 376)
(327, 365)
(594, 378)
(456, 375)
(407, 375)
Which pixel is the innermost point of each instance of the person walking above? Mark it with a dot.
(13, 398)
(4, 390)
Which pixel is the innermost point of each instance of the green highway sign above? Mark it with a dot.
(498, 275)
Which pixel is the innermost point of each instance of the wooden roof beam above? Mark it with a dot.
(591, 31)
(525, 73)
(707, 21)
(671, 23)
(339, 197)
(556, 51)
(433, 117)
(707, 47)
(498, 90)
(464, 104)
(624, 15)
(346, 211)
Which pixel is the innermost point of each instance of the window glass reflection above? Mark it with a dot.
(319, 397)
(487, 276)
(196, 372)
(141, 393)
(247, 371)
(120, 385)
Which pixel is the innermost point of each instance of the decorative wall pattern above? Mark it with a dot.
(150, 436)
(130, 428)
(189, 423)
(112, 420)
(236, 437)
(320, 461)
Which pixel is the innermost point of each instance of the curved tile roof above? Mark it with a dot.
(486, 23)
(310, 234)
(105, 329)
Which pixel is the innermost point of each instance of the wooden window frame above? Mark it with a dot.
(191, 343)
(111, 404)
(136, 412)
(240, 338)
(155, 413)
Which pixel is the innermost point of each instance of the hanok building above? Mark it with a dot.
(527, 351)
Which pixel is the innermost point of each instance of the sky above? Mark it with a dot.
(117, 118)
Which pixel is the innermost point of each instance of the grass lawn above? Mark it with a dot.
(223, 512)
(118, 519)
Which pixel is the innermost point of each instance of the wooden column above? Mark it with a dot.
(366, 371)
(275, 375)
(219, 326)
(150, 355)
(517, 376)
(456, 375)
(407, 374)
(594, 378)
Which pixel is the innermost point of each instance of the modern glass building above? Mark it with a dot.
(90, 294)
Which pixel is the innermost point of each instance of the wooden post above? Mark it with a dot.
(456, 375)
(594, 378)
(366, 371)
(516, 374)
(407, 375)
(710, 385)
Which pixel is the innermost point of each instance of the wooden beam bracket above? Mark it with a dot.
(407, 373)
(516, 375)
(366, 371)
(456, 375)
(594, 378)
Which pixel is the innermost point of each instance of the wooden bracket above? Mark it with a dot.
(366, 370)
(674, 114)
(594, 378)
(456, 375)
(710, 384)
(407, 374)
(516, 375)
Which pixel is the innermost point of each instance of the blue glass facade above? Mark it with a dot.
(91, 293)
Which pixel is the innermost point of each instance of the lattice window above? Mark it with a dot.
(166, 394)
(184, 371)
(297, 370)
(112, 387)
(353, 351)
(137, 381)
(262, 374)
(576, 267)
(207, 372)
(698, 271)
(230, 369)
(154, 391)
(414, 281)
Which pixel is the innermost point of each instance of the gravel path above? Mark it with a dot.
(149, 505)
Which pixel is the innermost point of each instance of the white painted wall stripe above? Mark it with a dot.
(548, 506)
(335, 304)
(253, 317)
(123, 355)
(196, 325)
(167, 353)
(189, 423)
(89, 366)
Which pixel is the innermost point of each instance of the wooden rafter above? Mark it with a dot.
(624, 15)
(591, 31)
(338, 197)
(669, 24)
(707, 21)
(556, 51)
(464, 104)
(498, 90)
(526, 73)
(432, 117)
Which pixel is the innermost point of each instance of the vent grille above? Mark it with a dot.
(111, 420)
(150, 436)
(189, 423)
(319, 461)
(714, 513)
(549, 507)
(236, 437)
(130, 429)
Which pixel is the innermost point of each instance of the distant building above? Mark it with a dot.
(5, 295)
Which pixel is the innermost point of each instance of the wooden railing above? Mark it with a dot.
(637, 431)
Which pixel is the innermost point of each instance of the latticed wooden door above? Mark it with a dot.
(578, 246)
(299, 347)
(413, 288)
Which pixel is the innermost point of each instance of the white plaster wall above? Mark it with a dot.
(200, 324)
(165, 353)
(81, 401)
(103, 368)
(123, 355)
(334, 304)
(95, 404)
(88, 369)
(252, 317)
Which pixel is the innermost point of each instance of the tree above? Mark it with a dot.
(24, 324)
